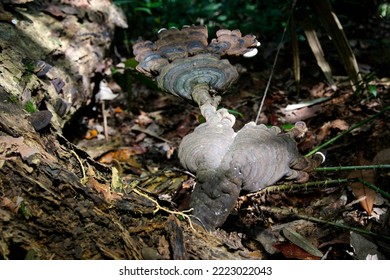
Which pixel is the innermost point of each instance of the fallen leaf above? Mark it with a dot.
(301, 242)
(151, 130)
(166, 148)
(143, 119)
(100, 188)
(360, 191)
(326, 128)
(364, 248)
(186, 125)
(292, 251)
(116, 183)
(343, 238)
(122, 155)
(309, 141)
(10, 204)
(382, 157)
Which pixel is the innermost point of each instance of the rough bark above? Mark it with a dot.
(56, 202)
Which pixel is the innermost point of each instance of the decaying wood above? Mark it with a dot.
(51, 50)
(56, 202)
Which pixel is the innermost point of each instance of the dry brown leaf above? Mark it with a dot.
(292, 251)
(343, 238)
(309, 141)
(101, 188)
(339, 124)
(325, 130)
(11, 205)
(382, 157)
(360, 191)
(186, 125)
(123, 155)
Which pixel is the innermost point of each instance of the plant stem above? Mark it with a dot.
(373, 187)
(298, 187)
(355, 167)
(294, 213)
(347, 131)
(317, 184)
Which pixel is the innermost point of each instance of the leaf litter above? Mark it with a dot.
(143, 141)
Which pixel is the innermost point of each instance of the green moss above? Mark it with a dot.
(30, 107)
(13, 99)
(30, 66)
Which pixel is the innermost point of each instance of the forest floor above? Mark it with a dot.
(141, 130)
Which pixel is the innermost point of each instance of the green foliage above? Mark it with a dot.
(30, 66)
(146, 17)
(255, 17)
(30, 107)
(366, 86)
(384, 10)
(236, 113)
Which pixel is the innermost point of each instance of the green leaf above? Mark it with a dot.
(287, 126)
(301, 242)
(131, 63)
(236, 113)
(222, 17)
(142, 9)
(30, 107)
(373, 90)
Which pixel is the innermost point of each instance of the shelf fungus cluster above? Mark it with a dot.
(186, 65)
(225, 162)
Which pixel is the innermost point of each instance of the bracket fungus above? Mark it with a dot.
(186, 65)
(225, 162)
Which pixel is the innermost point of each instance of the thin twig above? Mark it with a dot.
(274, 64)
